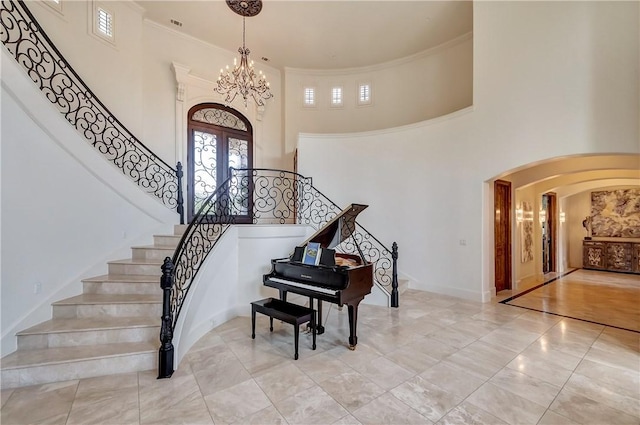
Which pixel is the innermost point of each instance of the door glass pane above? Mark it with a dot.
(219, 117)
(239, 158)
(204, 167)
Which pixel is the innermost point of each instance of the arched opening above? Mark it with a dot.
(571, 179)
(218, 138)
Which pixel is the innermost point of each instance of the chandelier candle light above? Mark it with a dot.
(243, 79)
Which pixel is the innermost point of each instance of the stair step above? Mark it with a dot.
(179, 229)
(108, 305)
(87, 331)
(122, 284)
(166, 240)
(151, 252)
(31, 367)
(135, 267)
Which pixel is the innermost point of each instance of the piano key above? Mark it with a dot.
(304, 286)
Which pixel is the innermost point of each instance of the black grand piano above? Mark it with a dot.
(338, 278)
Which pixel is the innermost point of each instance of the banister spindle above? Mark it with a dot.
(180, 207)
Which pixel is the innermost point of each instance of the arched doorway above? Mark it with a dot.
(218, 138)
(560, 178)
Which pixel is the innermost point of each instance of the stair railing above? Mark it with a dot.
(261, 195)
(258, 196)
(25, 40)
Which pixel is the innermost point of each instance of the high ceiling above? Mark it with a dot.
(328, 34)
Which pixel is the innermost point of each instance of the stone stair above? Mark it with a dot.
(112, 327)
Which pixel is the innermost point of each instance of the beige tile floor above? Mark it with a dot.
(436, 359)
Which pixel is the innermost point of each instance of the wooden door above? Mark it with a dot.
(552, 216)
(502, 234)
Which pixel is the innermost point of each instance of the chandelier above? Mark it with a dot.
(243, 80)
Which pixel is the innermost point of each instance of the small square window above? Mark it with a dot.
(309, 96)
(103, 22)
(364, 94)
(336, 96)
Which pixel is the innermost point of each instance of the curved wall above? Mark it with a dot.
(66, 211)
(430, 84)
(551, 80)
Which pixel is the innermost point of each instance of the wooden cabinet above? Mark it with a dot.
(593, 255)
(611, 256)
(635, 257)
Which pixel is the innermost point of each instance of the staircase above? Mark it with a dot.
(112, 327)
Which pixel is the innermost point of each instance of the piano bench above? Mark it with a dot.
(293, 314)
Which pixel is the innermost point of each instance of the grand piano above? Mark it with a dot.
(338, 278)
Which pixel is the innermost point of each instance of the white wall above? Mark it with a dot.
(66, 210)
(135, 80)
(231, 278)
(115, 73)
(427, 85)
(550, 79)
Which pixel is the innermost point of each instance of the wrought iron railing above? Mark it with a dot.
(249, 196)
(26, 41)
(258, 196)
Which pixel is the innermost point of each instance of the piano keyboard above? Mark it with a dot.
(304, 286)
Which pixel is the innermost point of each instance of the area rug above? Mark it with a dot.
(606, 298)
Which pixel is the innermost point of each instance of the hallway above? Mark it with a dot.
(606, 298)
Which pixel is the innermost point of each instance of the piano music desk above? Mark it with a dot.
(287, 312)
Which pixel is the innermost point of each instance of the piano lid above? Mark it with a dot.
(338, 229)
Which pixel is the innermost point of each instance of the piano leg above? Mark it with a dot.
(319, 327)
(283, 295)
(353, 323)
(318, 324)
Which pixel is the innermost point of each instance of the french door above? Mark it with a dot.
(219, 139)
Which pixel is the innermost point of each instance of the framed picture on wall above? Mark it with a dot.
(526, 232)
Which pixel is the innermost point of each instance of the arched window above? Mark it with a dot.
(219, 138)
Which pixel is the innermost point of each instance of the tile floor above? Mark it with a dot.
(436, 359)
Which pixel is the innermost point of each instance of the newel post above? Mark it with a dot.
(395, 297)
(165, 356)
(180, 208)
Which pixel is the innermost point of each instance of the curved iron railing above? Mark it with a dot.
(249, 196)
(25, 40)
(258, 196)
